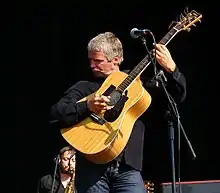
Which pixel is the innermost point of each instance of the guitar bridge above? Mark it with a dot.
(97, 119)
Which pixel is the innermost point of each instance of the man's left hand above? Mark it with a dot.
(164, 57)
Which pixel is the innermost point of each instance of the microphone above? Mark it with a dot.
(135, 33)
(57, 158)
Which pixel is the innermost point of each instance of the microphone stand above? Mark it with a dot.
(54, 174)
(172, 116)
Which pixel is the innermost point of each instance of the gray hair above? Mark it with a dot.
(107, 43)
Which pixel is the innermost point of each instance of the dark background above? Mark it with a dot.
(51, 40)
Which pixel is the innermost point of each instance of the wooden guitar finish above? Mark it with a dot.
(102, 137)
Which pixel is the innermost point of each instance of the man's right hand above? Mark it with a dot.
(98, 103)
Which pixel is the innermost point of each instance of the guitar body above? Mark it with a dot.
(101, 143)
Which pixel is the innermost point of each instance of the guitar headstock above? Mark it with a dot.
(187, 19)
(149, 186)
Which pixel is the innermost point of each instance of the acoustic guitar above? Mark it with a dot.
(102, 137)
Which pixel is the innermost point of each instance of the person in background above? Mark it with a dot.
(64, 175)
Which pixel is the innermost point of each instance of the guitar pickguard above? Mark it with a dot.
(112, 114)
(117, 100)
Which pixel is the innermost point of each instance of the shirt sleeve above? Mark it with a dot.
(174, 82)
(176, 85)
(41, 185)
(68, 111)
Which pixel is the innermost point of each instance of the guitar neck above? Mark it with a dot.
(145, 62)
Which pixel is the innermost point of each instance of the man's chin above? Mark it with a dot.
(99, 74)
(64, 171)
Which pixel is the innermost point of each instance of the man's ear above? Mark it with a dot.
(116, 60)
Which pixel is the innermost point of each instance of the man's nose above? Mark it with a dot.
(92, 64)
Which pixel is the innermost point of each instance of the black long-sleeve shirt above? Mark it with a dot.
(45, 184)
(68, 112)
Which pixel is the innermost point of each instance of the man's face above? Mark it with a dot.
(67, 163)
(99, 64)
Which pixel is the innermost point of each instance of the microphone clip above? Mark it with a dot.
(159, 75)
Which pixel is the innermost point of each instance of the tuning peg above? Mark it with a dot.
(171, 24)
(194, 25)
(188, 29)
(200, 21)
(186, 10)
(181, 17)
